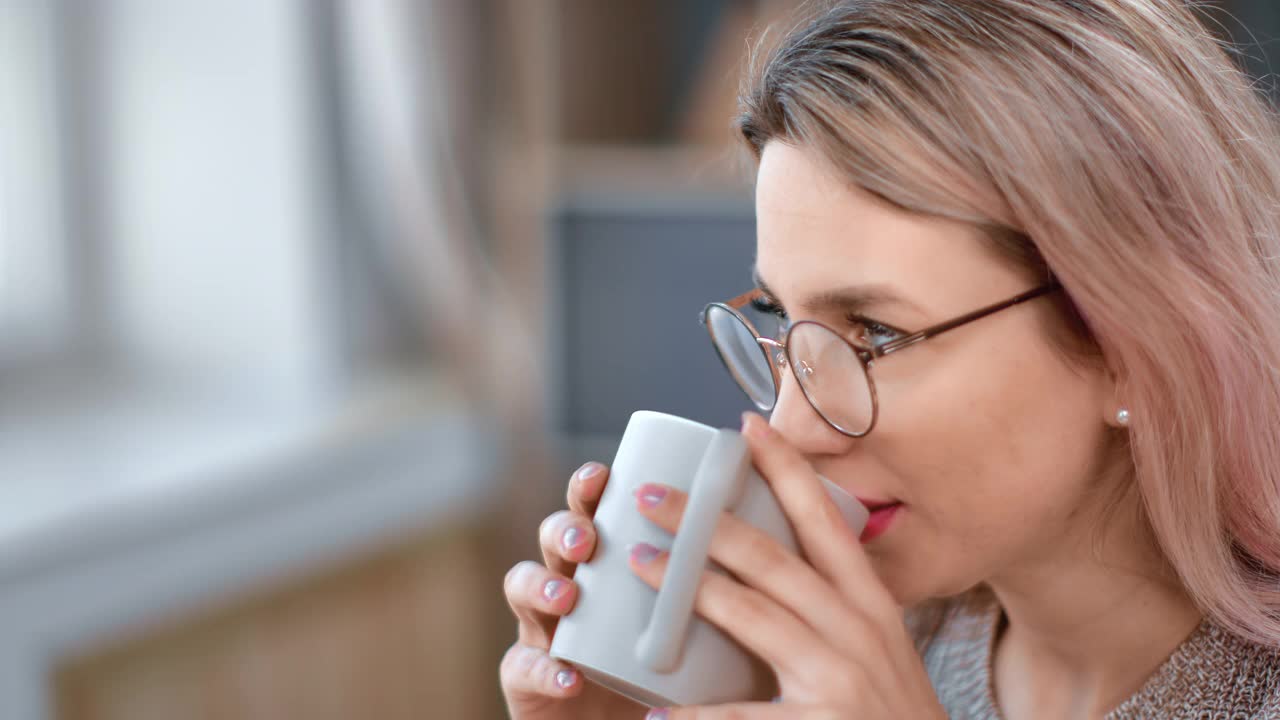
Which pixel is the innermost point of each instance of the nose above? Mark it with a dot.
(801, 424)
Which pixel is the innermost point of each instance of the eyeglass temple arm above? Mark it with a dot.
(737, 304)
(936, 330)
(741, 301)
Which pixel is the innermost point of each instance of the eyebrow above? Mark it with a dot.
(855, 298)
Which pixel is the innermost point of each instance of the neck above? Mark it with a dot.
(1088, 625)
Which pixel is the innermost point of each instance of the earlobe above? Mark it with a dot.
(1115, 411)
(1118, 417)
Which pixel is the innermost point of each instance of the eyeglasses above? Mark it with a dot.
(833, 372)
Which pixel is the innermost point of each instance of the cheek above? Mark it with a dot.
(994, 456)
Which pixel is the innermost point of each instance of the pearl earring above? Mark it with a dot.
(1122, 416)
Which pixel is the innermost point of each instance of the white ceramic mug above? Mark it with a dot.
(647, 644)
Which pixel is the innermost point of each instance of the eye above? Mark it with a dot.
(768, 306)
(871, 333)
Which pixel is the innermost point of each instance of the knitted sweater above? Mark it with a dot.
(1212, 675)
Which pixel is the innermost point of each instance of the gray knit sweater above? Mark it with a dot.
(1212, 675)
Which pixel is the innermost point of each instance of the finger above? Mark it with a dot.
(567, 538)
(759, 561)
(530, 670)
(828, 542)
(537, 597)
(586, 486)
(761, 625)
(738, 711)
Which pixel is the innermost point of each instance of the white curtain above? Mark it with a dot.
(410, 81)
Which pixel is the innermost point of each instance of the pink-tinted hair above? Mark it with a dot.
(1115, 145)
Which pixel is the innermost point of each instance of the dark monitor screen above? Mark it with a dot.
(630, 280)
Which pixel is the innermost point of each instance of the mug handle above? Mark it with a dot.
(718, 482)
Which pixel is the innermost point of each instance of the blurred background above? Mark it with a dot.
(308, 309)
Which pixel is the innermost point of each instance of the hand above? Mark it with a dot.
(832, 633)
(535, 685)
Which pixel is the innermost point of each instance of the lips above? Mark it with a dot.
(873, 505)
(881, 516)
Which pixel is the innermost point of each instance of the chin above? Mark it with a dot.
(912, 585)
(901, 582)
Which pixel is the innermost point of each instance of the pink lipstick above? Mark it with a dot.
(882, 516)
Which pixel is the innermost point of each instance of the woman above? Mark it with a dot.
(1088, 516)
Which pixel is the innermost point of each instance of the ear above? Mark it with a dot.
(1111, 394)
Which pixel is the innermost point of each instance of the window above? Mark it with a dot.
(34, 267)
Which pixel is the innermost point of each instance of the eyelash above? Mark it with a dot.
(768, 307)
(771, 307)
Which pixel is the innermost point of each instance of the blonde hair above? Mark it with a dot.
(1115, 146)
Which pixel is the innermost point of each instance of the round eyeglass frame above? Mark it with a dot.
(866, 355)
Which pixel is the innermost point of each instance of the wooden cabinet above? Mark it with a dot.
(415, 632)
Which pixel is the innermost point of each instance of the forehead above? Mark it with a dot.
(815, 230)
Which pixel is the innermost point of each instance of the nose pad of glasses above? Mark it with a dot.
(804, 368)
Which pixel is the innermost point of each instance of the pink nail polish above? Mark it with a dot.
(657, 714)
(572, 539)
(643, 553)
(650, 495)
(554, 589)
(566, 678)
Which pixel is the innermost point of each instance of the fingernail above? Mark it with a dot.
(650, 495)
(572, 539)
(657, 714)
(643, 553)
(554, 589)
(588, 470)
(566, 678)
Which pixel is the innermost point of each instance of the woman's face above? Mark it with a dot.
(987, 435)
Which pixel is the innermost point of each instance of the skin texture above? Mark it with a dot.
(998, 446)
(994, 440)
(987, 435)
